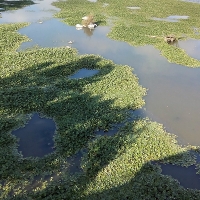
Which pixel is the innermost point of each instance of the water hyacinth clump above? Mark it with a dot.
(137, 26)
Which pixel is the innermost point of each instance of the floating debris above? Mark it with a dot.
(170, 39)
(40, 21)
(79, 26)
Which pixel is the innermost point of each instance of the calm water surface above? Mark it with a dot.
(36, 138)
(186, 176)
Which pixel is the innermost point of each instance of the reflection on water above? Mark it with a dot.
(41, 10)
(192, 47)
(192, 1)
(172, 18)
(185, 175)
(36, 138)
(173, 91)
(88, 32)
(83, 73)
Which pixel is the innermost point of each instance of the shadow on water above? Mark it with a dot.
(36, 138)
(170, 87)
(147, 183)
(12, 5)
(185, 175)
(132, 116)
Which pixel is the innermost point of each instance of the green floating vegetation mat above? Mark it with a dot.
(117, 167)
(138, 26)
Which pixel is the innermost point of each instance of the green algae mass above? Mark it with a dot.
(138, 26)
(115, 167)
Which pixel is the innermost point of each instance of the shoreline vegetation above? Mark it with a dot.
(114, 167)
(135, 23)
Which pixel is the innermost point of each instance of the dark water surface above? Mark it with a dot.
(186, 176)
(36, 138)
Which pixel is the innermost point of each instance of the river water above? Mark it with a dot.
(173, 90)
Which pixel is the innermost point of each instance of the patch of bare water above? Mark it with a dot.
(186, 176)
(173, 90)
(36, 138)
(192, 1)
(93, 1)
(83, 73)
(192, 47)
(172, 18)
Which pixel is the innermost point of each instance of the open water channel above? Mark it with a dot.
(173, 90)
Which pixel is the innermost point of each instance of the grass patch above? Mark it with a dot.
(137, 26)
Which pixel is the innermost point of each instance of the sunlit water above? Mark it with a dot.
(172, 18)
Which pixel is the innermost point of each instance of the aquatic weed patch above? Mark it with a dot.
(137, 26)
(37, 80)
(120, 167)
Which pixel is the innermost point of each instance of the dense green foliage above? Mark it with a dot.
(137, 26)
